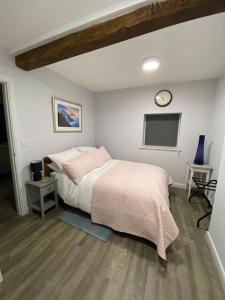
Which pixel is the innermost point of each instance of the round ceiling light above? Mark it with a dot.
(151, 63)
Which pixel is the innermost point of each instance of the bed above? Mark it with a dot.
(126, 196)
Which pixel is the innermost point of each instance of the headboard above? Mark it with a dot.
(47, 170)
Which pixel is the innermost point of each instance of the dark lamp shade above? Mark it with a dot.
(36, 166)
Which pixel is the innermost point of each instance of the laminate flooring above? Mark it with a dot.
(47, 259)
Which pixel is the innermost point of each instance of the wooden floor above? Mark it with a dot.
(51, 260)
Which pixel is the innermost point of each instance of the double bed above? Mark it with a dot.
(126, 196)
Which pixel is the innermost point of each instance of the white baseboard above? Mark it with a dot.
(1, 278)
(179, 185)
(216, 258)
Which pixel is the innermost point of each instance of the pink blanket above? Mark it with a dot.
(133, 198)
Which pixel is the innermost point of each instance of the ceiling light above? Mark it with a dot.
(150, 63)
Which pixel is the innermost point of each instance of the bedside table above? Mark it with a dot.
(191, 170)
(36, 192)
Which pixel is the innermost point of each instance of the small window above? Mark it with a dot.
(161, 130)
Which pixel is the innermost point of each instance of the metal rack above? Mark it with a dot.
(202, 187)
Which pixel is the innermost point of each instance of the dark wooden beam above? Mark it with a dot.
(143, 20)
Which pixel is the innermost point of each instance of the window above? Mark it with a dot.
(161, 130)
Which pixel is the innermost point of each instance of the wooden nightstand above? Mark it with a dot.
(36, 192)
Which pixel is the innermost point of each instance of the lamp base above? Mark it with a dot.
(37, 176)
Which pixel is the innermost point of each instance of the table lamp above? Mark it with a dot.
(36, 168)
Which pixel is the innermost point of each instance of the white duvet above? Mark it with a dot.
(80, 195)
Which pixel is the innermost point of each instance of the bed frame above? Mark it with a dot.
(47, 170)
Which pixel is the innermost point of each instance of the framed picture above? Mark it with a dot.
(67, 116)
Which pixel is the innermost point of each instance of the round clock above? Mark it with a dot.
(163, 98)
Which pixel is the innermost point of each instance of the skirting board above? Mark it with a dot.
(179, 185)
(216, 258)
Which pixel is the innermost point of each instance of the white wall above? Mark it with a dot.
(33, 111)
(217, 224)
(119, 122)
(217, 126)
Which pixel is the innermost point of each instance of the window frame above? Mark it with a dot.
(164, 148)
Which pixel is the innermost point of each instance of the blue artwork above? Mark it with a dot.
(67, 115)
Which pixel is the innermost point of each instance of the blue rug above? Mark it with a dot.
(82, 221)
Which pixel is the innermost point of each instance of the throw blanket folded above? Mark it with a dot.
(133, 198)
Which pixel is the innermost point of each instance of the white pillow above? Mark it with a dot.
(61, 157)
(53, 166)
(86, 148)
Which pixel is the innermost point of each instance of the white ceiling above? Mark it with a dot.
(24, 23)
(193, 50)
(189, 51)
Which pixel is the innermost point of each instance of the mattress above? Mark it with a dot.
(80, 196)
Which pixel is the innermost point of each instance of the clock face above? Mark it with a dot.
(163, 98)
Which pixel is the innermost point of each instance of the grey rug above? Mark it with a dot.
(82, 221)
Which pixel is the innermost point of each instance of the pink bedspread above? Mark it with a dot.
(133, 198)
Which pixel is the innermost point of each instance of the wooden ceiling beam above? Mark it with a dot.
(143, 20)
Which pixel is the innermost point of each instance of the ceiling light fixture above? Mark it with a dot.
(151, 63)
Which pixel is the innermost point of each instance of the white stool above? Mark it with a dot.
(193, 168)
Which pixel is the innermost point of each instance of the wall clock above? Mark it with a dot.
(163, 98)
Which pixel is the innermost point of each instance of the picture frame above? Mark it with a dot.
(67, 115)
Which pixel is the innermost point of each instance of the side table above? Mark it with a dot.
(192, 169)
(36, 192)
